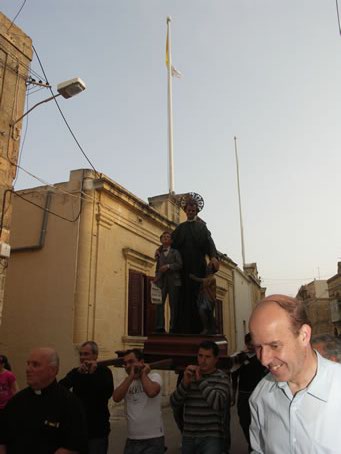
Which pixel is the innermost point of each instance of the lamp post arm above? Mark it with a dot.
(33, 107)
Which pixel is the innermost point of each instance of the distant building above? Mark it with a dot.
(15, 59)
(334, 289)
(81, 266)
(316, 299)
(248, 291)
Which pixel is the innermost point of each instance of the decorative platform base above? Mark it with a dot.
(182, 348)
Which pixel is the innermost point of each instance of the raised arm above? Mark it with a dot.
(122, 389)
(150, 387)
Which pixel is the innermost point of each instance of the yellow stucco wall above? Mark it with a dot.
(75, 287)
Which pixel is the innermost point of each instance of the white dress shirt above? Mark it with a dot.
(307, 423)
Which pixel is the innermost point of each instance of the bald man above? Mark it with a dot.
(45, 417)
(296, 408)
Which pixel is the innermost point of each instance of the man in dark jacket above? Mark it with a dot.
(44, 418)
(93, 384)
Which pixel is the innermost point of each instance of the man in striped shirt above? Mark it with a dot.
(204, 394)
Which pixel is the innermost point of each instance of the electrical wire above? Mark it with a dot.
(338, 16)
(63, 116)
(86, 197)
(49, 211)
(21, 147)
(16, 15)
(293, 278)
(3, 212)
(27, 67)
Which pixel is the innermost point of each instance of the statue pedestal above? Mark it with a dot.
(182, 349)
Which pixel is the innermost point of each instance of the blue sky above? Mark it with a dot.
(268, 72)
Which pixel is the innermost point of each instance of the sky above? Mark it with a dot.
(265, 71)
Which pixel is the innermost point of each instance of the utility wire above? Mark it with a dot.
(21, 146)
(49, 211)
(86, 197)
(338, 16)
(16, 16)
(63, 116)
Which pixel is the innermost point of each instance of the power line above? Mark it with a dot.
(338, 16)
(86, 197)
(21, 146)
(16, 16)
(63, 116)
(293, 278)
(49, 211)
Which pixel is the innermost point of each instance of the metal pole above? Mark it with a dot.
(240, 204)
(170, 111)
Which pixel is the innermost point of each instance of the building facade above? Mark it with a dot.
(334, 290)
(247, 292)
(15, 58)
(316, 299)
(81, 266)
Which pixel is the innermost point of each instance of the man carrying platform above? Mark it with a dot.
(141, 391)
(204, 394)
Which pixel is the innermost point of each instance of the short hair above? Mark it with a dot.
(331, 345)
(137, 352)
(166, 232)
(54, 359)
(248, 339)
(210, 345)
(294, 308)
(4, 361)
(93, 345)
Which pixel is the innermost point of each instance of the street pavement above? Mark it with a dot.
(173, 439)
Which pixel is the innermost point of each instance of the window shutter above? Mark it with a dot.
(135, 303)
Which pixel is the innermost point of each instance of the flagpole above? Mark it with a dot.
(170, 110)
(240, 203)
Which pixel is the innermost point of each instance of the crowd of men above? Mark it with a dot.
(289, 396)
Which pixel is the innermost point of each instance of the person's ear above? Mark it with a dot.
(305, 333)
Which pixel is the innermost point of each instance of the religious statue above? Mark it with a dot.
(194, 242)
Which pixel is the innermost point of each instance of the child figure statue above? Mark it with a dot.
(206, 300)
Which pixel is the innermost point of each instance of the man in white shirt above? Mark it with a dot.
(141, 391)
(297, 407)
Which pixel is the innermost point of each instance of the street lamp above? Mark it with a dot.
(66, 89)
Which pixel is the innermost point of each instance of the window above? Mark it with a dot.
(141, 312)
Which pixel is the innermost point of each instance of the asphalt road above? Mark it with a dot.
(173, 438)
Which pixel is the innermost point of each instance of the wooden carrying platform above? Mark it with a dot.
(182, 349)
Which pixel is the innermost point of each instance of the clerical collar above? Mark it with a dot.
(192, 220)
(165, 249)
(46, 390)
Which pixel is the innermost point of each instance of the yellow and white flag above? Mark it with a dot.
(174, 71)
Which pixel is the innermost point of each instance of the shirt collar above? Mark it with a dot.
(46, 390)
(319, 387)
